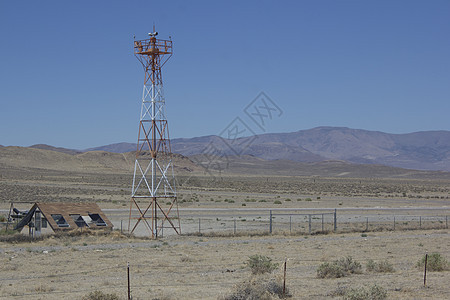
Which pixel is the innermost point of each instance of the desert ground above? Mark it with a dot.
(233, 209)
(189, 267)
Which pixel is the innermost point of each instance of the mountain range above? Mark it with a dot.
(426, 150)
(15, 162)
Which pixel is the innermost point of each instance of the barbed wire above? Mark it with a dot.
(134, 287)
(190, 266)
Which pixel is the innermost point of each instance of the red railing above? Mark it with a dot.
(148, 46)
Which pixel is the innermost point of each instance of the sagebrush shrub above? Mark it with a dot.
(385, 267)
(350, 266)
(330, 270)
(371, 265)
(380, 267)
(99, 295)
(375, 292)
(260, 264)
(260, 287)
(339, 268)
(435, 262)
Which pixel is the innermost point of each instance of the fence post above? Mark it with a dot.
(420, 222)
(335, 220)
(446, 222)
(322, 222)
(120, 226)
(270, 222)
(199, 225)
(394, 222)
(234, 226)
(284, 278)
(128, 275)
(367, 223)
(309, 217)
(290, 224)
(425, 271)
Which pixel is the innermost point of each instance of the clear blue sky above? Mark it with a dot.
(68, 76)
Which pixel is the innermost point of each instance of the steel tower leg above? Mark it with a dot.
(153, 179)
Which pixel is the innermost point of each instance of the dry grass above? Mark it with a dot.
(379, 267)
(260, 264)
(435, 262)
(374, 292)
(14, 237)
(99, 295)
(339, 268)
(209, 267)
(258, 287)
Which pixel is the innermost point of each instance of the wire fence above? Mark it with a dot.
(301, 222)
(296, 221)
(266, 222)
(141, 276)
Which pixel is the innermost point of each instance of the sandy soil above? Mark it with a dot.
(190, 267)
(206, 268)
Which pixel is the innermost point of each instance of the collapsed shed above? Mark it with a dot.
(47, 217)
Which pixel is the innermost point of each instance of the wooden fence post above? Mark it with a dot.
(335, 219)
(309, 218)
(284, 278)
(322, 222)
(290, 224)
(425, 271)
(270, 222)
(128, 275)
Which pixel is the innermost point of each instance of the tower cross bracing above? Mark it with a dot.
(153, 189)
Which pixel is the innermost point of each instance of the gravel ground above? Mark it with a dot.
(189, 267)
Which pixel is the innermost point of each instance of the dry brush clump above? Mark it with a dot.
(260, 264)
(14, 237)
(339, 268)
(263, 287)
(227, 234)
(42, 288)
(374, 292)
(435, 262)
(99, 295)
(379, 267)
(262, 284)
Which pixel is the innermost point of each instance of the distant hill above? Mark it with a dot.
(427, 150)
(13, 159)
(57, 149)
(330, 168)
(22, 158)
(116, 148)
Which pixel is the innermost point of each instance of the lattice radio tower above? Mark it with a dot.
(154, 180)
